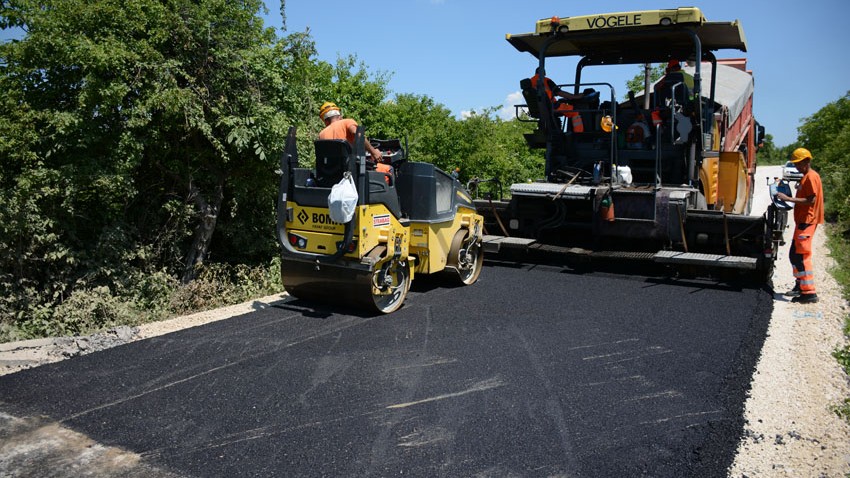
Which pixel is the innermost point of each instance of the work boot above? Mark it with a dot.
(805, 299)
(795, 292)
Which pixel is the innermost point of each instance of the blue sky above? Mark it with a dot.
(455, 50)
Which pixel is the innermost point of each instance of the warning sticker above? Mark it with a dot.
(381, 220)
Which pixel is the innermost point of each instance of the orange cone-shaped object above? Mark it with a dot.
(606, 209)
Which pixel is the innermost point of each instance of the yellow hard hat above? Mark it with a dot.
(607, 124)
(328, 110)
(800, 154)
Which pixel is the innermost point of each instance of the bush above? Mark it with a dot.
(223, 284)
(152, 294)
(136, 298)
(843, 410)
(90, 310)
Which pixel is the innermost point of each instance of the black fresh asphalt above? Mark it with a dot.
(533, 371)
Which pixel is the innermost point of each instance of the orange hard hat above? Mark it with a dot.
(800, 154)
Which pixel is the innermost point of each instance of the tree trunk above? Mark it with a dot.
(208, 216)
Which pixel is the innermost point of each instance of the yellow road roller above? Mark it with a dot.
(365, 248)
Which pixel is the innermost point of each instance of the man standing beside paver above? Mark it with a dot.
(808, 213)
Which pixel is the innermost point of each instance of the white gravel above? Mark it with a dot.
(791, 430)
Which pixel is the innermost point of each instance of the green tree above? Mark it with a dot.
(351, 86)
(827, 135)
(768, 153)
(823, 127)
(143, 102)
(479, 145)
(636, 84)
(428, 127)
(126, 128)
(496, 149)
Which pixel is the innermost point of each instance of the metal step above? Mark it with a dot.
(710, 260)
(565, 191)
(629, 255)
(493, 244)
(561, 250)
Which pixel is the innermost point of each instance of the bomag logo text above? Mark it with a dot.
(319, 218)
(614, 21)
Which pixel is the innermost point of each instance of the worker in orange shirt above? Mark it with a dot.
(808, 213)
(560, 100)
(337, 127)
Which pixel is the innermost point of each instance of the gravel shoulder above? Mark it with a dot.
(790, 428)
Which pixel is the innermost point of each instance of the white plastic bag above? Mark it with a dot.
(342, 201)
(624, 174)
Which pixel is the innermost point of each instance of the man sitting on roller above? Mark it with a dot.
(337, 127)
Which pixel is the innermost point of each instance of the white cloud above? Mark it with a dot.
(508, 111)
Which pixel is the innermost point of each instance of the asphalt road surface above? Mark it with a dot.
(533, 371)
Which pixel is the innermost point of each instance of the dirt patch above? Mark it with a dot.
(41, 448)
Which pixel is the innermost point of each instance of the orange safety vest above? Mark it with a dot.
(383, 168)
(387, 169)
(561, 108)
